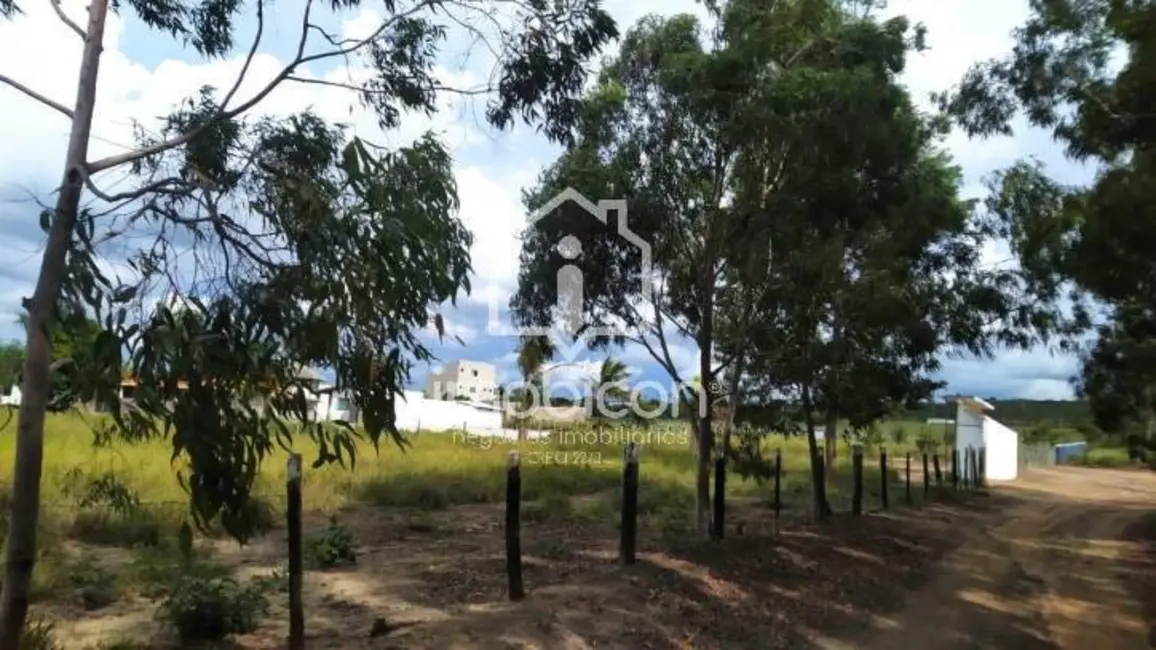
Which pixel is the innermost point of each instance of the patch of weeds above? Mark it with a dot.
(210, 609)
(553, 507)
(672, 527)
(276, 581)
(84, 580)
(39, 634)
(421, 522)
(152, 569)
(109, 512)
(108, 528)
(331, 546)
(432, 490)
(259, 514)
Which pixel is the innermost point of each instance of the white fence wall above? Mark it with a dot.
(438, 415)
(1003, 445)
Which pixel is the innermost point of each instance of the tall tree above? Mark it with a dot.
(321, 248)
(711, 145)
(1082, 249)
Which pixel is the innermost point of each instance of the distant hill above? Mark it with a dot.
(1066, 412)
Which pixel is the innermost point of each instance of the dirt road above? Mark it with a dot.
(1050, 569)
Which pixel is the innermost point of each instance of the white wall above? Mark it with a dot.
(1003, 448)
(12, 397)
(439, 415)
(978, 430)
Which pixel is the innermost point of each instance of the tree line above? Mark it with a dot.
(802, 218)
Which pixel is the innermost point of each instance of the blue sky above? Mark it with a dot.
(144, 74)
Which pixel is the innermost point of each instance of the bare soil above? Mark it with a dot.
(1057, 560)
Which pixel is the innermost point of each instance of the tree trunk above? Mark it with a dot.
(702, 477)
(20, 556)
(830, 442)
(733, 398)
(822, 509)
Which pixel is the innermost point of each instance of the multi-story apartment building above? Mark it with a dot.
(470, 380)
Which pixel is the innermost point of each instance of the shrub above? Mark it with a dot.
(332, 546)
(39, 635)
(210, 609)
(92, 584)
(1102, 457)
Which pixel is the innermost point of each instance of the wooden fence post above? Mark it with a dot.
(983, 466)
(883, 477)
(296, 559)
(629, 503)
(926, 476)
(938, 472)
(720, 494)
(857, 480)
(778, 486)
(955, 468)
(907, 481)
(514, 526)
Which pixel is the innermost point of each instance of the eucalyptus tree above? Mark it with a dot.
(721, 137)
(874, 267)
(308, 246)
(1081, 70)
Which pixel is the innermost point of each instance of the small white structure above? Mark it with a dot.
(331, 404)
(11, 397)
(975, 429)
(418, 412)
(470, 380)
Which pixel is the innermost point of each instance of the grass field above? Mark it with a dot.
(111, 515)
(438, 470)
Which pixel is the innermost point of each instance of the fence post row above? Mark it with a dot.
(720, 494)
(778, 486)
(983, 466)
(857, 480)
(907, 481)
(296, 559)
(626, 549)
(883, 477)
(513, 527)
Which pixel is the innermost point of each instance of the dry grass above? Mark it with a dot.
(101, 557)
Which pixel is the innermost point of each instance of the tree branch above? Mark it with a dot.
(35, 95)
(481, 90)
(66, 20)
(252, 52)
(299, 59)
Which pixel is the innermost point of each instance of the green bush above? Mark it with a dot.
(332, 546)
(39, 635)
(1106, 457)
(210, 609)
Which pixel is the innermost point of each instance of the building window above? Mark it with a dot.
(475, 373)
(472, 389)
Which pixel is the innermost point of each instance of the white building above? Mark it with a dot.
(975, 429)
(469, 380)
(12, 395)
